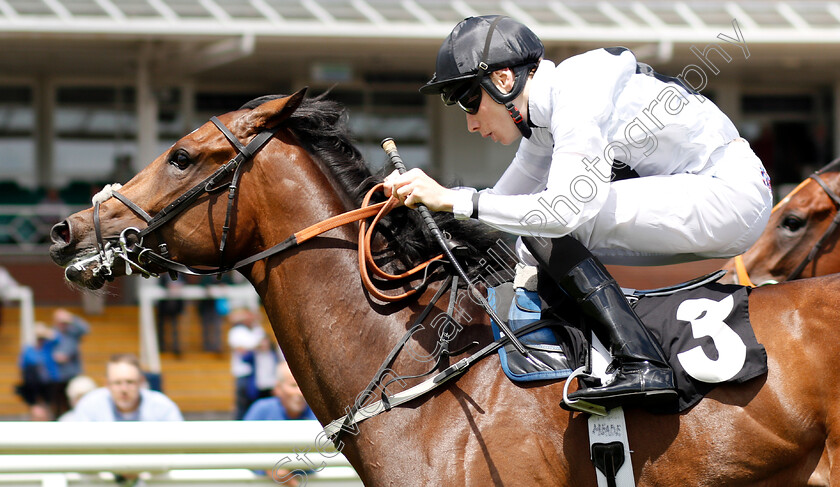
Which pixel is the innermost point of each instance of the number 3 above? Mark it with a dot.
(706, 317)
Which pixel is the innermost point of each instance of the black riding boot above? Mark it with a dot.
(643, 375)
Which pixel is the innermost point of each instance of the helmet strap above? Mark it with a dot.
(481, 69)
(482, 65)
(518, 119)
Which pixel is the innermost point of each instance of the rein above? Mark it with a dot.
(740, 267)
(130, 248)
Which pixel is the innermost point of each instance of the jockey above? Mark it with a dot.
(618, 164)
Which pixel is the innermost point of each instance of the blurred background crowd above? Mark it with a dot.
(228, 355)
(92, 91)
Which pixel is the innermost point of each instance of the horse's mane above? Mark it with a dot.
(321, 127)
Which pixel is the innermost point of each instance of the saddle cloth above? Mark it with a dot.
(705, 333)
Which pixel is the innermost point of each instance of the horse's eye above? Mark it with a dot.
(180, 159)
(792, 223)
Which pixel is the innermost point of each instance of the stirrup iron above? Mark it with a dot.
(580, 404)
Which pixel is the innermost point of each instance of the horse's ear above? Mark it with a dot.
(273, 112)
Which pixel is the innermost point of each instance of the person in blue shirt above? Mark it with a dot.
(286, 403)
(39, 372)
(124, 398)
(69, 332)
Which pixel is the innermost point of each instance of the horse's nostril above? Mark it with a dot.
(60, 233)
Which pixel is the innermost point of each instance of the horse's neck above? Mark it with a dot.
(333, 336)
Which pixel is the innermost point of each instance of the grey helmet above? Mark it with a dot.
(476, 47)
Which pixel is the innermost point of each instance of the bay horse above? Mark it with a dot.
(480, 429)
(800, 239)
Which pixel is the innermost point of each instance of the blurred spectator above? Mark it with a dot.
(76, 389)
(243, 338)
(40, 412)
(70, 330)
(124, 398)
(39, 371)
(263, 360)
(168, 313)
(211, 312)
(286, 403)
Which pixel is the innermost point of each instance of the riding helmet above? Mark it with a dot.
(477, 46)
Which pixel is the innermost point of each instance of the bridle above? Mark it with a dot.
(740, 268)
(128, 247)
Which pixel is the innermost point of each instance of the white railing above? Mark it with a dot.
(169, 453)
(23, 295)
(25, 229)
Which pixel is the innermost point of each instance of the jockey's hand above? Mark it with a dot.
(415, 187)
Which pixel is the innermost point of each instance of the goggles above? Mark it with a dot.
(466, 95)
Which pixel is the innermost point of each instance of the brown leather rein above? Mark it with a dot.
(128, 246)
(367, 265)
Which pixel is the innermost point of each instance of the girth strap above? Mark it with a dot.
(608, 458)
(454, 370)
(392, 355)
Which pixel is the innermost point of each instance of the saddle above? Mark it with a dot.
(702, 325)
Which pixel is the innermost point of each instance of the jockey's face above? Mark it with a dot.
(492, 119)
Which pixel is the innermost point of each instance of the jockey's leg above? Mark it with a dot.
(717, 213)
(643, 374)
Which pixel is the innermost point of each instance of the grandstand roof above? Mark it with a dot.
(553, 20)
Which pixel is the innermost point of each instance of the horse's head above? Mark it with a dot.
(177, 206)
(801, 237)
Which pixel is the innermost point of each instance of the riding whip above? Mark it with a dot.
(390, 148)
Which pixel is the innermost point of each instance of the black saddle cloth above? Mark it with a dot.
(705, 333)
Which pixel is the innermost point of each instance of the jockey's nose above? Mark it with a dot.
(60, 233)
(472, 123)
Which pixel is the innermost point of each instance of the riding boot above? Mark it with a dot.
(643, 375)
